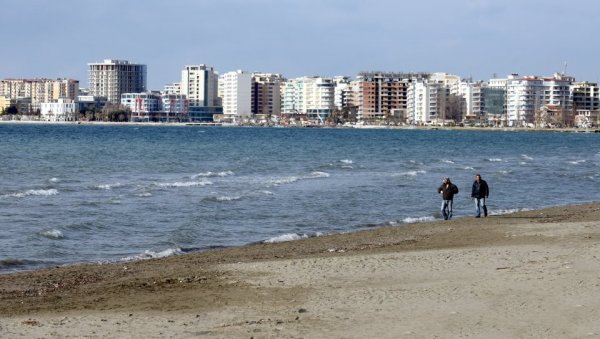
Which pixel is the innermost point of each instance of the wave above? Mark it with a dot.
(292, 179)
(412, 220)
(212, 174)
(409, 173)
(447, 161)
(223, 198)
(469, 168)
(52, 234)
(46, 192)
(290, 237)
(494, 160)
(148, 254)
(346, 161)
(178, 184)
(53, 180)
(525, 156)
(144, 194)
(108, 186)
(577, 162)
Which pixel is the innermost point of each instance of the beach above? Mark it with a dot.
(526, 274)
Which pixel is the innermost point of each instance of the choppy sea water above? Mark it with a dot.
(81, 193)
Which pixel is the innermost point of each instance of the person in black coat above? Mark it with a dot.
(479, 193)
(448, 190)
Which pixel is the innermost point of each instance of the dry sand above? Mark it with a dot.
(532, 274)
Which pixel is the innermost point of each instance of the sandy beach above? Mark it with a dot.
(530, 274)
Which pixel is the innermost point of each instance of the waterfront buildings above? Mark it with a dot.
(112, 78)
(39, 91)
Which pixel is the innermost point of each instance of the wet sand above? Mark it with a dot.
(528, 274)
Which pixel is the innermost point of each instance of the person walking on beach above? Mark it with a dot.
(479, 193)
(448, 190)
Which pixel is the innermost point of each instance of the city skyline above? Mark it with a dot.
(298, 38)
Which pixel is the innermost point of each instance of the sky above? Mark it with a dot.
(469, 38)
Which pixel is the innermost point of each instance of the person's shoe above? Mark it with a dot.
(476, 216)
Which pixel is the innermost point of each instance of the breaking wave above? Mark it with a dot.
(52, 234)
(47, 192)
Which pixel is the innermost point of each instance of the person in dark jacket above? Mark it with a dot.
(479, 193)
(448, 190)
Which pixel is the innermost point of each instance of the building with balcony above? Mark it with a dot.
(62, 109)
(235, 91)
(112, 78)
(309, 96)
(266, 94)
(39, 90)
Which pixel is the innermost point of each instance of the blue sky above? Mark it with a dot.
(58, 38)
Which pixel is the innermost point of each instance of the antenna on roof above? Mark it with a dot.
(564, 72)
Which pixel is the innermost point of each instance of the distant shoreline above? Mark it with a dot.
(404, 127)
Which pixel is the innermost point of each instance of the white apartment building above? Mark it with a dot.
(199, 83)
(235, 93)
(524, 97)
(340, 91)
(313, 96)
(62, 109)
(472, 94)
(140, 103)
(426, 101)
(112, 78)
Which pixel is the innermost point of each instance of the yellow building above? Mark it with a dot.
(39, 90)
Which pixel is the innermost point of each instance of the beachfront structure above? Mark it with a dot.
(310, 96)
(199, 83)
(90, 103)
(266, 94)
(175, 106)
(111, 78)
(524, 97)
(470, 100)
(140, 104)
(426, 102)
(39, 90)
(235, 92)
(585, 103)
(62, 109)
(341, 92)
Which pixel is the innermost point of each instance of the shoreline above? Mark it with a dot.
(403, 127)
(530, 273)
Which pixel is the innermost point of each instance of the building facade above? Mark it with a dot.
(112, 78)
(39, 90)
(266, 94)
(62, 109)
(235, 91)
(310, 96)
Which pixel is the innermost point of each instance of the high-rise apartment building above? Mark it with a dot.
(312, 96)
(199, 83)
(266, 93)
(112, 78)
(235, 93)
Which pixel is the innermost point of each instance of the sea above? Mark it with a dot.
(116, 193)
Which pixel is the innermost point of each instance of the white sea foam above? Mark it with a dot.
(494, 160)
(346, 161)
(147, 254)
(508, 211)
(53, 180)
(108, 186)
(522, 163)
(292, 179)
(525, 156)
(469, 168)
(266, 192)
(409, 173)
(411, 220)
(212, 174)
(23, 194)
(228, 198)
(178, 184)
(286, 237)
(52, 234)
(577, 162)
(447, 161)
(144, 194)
